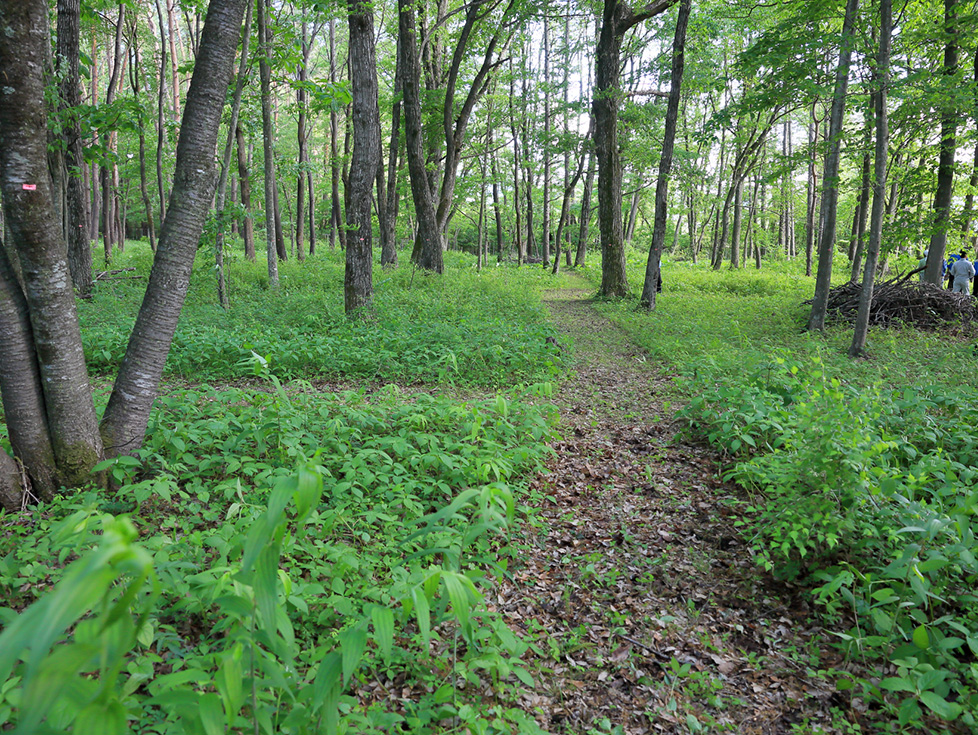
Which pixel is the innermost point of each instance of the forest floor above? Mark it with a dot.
(652, 614)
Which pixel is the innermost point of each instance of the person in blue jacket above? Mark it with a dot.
(948, 264)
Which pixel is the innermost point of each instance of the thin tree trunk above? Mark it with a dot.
(428, 241)
(271, 206)
(160, 98)
(653, 274)
(76, 219)
(134, 70)
(388, 252)
(945, 166)
(830, 175)
(881, 74)
(222, 292)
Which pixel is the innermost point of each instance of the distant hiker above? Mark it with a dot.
(922, 264)
(962, 272)
(948, 264)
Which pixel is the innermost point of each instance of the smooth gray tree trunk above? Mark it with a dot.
(881, 75)
(830, 174)
(194, 180)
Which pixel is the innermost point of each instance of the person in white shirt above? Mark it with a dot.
(962, 271)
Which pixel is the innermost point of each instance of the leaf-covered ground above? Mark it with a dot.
(651, 614)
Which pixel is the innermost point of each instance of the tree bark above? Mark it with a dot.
(268, 137)
(134, 71)
(358, 280)
(428, 240)
(76, 220)
(945, 165)
(830, 174)
(388, 253)
(653, 275)
(222, 292)
(22, 396)
(881, 74)
(124, 422)
(617, 19)
(29, 211)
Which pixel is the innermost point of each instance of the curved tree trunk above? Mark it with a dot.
(858, 345)
(653, 277)
(22, 396)
(127, 414)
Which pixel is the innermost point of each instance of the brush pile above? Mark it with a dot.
(904, 301)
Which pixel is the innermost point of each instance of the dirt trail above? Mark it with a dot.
(635, 569)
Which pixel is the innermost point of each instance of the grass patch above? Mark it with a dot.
(480, 328)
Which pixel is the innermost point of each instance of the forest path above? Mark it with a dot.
(652, 615)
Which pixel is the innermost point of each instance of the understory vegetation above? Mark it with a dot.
(859, 477)
(305, 541)
(274, 541)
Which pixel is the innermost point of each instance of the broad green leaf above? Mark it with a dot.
(211, 715)
(328, 674)
(100, 718)
(383, 619)
(352, 644)
(423, 613)
(920, 637)
(940, 706)
(266, 587)
(896, 684)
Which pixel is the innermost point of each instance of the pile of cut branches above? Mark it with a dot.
(904, 301)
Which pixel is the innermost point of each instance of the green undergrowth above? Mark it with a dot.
(480, 328)
(860, 476)
(278, 560)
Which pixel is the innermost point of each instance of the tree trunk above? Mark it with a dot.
(428, 240)
(76, 219)
(244, 185)
(738, 207)
(124, 422)
(830, 175)
(53, 345)
(358, 281)
(388, 253)
(514, 127)
(881, 77)
(653, 274)
(268, 136)
(22, 396)
(134, 71)
(160, 100)
(585, 225)
(545, 217)
(945, 166)
(222, 292)
(110, 202)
